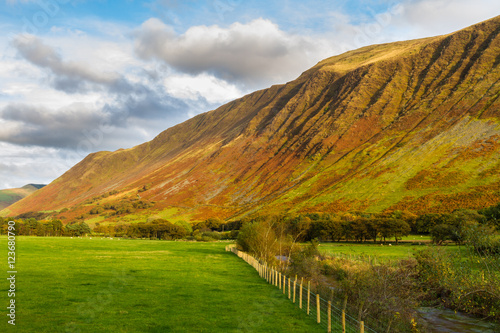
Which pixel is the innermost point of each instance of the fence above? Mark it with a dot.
(299, 292)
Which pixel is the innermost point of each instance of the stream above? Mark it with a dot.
(447, 321)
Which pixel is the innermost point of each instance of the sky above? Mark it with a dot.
(80, 76)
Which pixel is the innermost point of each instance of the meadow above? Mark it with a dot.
(115, 285)
(382, 253)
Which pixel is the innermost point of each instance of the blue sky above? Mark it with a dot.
(289, 15)
(79, 76)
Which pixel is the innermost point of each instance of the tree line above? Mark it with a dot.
(33, 227)
(353, 226)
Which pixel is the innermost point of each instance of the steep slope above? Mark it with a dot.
(410, 125)
(9, 196)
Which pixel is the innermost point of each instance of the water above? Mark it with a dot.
(447, 321)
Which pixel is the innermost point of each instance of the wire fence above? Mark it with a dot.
(299, 291)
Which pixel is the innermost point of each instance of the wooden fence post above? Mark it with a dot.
(343, 321)
(279, 280)
(294, 288)
(289, 291)
(318, 310)
(361, 327)
(329, 316)
(284, 284)
(308, 296)
(300, 295)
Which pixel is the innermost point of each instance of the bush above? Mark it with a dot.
(305, 262)
(441, 233)
(207, 236)
(96, 210)
(185, 225)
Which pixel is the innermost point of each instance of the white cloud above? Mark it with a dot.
(425, 18)
(207, 86)
(254, 54)
(12, 2)
(411, 19)
(69, 75)
(37, 165)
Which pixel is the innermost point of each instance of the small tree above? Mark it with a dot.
(260, 239)
(441, 232)
(400, 229)
(332, 229)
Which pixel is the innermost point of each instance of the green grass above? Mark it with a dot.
(381, 252)
(416, 238)
(112, 285)
(384, 253)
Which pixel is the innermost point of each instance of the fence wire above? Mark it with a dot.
(331, 317)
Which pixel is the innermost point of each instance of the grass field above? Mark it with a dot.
(373, 250)
(381, 252)
(112, 285)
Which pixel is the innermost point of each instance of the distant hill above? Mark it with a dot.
(9, 196)
(412, 125)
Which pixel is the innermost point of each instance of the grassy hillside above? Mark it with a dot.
(9, 196)
(110, 285)
(404, 126)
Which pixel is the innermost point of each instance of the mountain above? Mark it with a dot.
(410, 126)
(9, 196)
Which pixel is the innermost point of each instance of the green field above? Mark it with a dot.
(111, 285)
(381, 252)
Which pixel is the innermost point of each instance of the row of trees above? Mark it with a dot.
(363, 227)
(357, 226)
(322, 226)
(33, 227)
(157, 229)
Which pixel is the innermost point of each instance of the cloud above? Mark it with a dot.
(188, 87)
(252, 54)
(425, 18)
(29, 125)
(127, 101)
(68, 127)
(411, 19)
(12, 2)
(39, 165)
(69, 76)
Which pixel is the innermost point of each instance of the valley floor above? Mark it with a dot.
(114, 285)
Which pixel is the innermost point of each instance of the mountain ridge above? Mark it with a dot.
(12, 195)
(336, 138)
